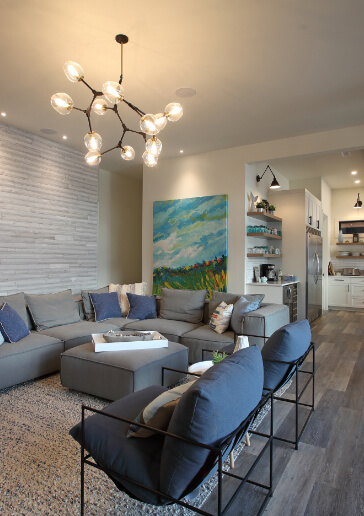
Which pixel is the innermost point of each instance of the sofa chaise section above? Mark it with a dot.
(32, 356)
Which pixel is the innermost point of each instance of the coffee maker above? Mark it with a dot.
(268, 270)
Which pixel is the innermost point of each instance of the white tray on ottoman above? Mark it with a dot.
(100, 344)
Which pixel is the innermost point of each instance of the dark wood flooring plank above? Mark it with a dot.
(329, 501)
(294, 489)
(321, 423)
(354, 395)
(341, 452)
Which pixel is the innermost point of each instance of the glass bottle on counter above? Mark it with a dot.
(280, 275)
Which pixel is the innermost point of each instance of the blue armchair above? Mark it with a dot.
(211, 418)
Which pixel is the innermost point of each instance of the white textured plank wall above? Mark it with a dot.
(48, 216)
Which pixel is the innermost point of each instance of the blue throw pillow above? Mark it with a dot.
(106, 305)
(242, 306)
(142, 307)
(13, 327)
(288, 344)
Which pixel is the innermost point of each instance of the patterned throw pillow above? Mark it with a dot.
(159, 412)
(134, 288)
(13, 327)
(106, 306)
(220, 319)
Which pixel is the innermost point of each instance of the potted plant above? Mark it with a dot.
(260, 206)
(271, 209)
(217, 357)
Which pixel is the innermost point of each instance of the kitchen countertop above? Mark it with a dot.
(271, 283)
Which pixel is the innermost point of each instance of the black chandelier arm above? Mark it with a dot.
(134, 108)
(95, 92)
(108, 150)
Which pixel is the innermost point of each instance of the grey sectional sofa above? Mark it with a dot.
(39, 352)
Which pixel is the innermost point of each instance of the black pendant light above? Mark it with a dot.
(358, 203)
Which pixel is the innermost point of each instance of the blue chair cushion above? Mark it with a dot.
(288, 343)
(208, 412)
(106, 305)
(138, 459)
(142, 307)
(12, 326)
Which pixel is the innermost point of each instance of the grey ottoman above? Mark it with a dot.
(114, 374)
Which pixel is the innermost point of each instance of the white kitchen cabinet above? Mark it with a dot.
(346, 291)
(357, 292)
(313, 211)
(339, 290)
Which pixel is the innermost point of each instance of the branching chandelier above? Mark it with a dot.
(114, 93)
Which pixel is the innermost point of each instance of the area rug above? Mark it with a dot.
(40, 462)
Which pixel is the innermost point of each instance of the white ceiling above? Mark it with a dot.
(262, 70)
(335, 168)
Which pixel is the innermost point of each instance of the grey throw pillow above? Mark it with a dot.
(182, 305)
(242, 306)
(87, 305)
(17, 303)
(49, 310)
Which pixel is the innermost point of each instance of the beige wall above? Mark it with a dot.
(120, 229)
(223, 172)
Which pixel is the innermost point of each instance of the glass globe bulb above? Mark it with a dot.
(173, 111)
(148, 125)
(127, 152)
(93, 141)
(154, 146)
(149, 159)
(93, 158)
(99, 106)
(160, 121)
(113, 91)
(74, 72)
(62, 103)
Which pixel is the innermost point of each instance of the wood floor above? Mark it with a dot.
(325, 476)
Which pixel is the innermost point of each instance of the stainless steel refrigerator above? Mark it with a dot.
(313, 274)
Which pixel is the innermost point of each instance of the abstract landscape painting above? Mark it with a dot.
(190, 243)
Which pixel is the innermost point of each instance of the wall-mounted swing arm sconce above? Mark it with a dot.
(274, 183)
(359, 203)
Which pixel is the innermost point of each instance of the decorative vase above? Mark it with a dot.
(340, 237)
(260, 210)
(271, 212)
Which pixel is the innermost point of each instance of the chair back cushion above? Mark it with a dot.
(208, 412)
(288, 343)
(182, 305)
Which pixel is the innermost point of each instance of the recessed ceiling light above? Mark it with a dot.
(64, 137)
(48, 131)
(3, 114)
(357, 181)
(354, 172)
(185, 92)
(181, 151)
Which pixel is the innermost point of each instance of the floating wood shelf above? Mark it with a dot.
(264, 235)
(350, 243)
(351, 256)
(262, 215)
(263, 255)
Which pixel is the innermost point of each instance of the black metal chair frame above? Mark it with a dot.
(215, 459)
(298, 394)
